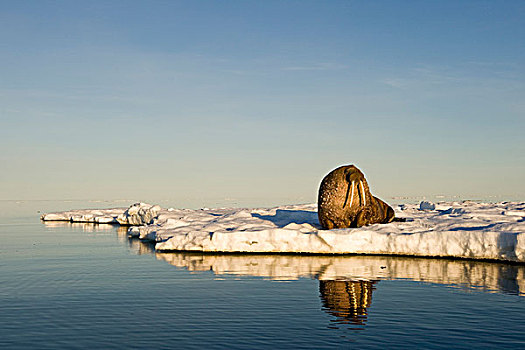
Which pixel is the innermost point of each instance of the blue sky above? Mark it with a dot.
(257, 100)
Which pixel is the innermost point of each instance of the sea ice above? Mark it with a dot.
(95, 216)
(425, 205)
(139, 214)
(456, 229)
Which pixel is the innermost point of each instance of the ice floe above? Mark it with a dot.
(446, 229)
(96, 216)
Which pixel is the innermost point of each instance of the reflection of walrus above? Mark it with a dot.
(345, 201)
(347, 300)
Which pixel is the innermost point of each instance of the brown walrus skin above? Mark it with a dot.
(345, 201)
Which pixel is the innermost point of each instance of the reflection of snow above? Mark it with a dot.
(464, 273)
(80, 226)
(456, 229)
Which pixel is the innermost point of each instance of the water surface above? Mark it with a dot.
(83, 286)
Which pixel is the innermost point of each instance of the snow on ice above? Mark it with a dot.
(456, 229)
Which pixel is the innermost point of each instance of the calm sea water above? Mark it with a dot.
(65, 286)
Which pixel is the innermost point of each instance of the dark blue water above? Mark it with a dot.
(83, 286)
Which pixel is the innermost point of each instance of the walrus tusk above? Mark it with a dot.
(351, 184)
(364, 194)
(352, 197)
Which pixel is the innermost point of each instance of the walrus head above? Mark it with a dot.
(356, 186)
(345, 201)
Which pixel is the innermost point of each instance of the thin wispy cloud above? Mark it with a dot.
(425, 75)
(316, 67)
(397, 83)
(492, 75)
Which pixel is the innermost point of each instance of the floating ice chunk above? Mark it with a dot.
(133, 232)
(99, 216)
(426, 205)
(105, 220)
(55, 217)
(139, 214)
(455, 211)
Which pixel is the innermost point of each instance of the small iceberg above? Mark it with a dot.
(425, 205)
(494, 231)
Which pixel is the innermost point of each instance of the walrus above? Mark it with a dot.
(345, 201)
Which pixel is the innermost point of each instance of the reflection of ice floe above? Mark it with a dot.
(136, 246)
(82, 226)
(140, 248)
(496, 277)
(455, 229)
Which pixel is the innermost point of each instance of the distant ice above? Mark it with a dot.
(96, 216)
(445, 229)
(425, 205)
